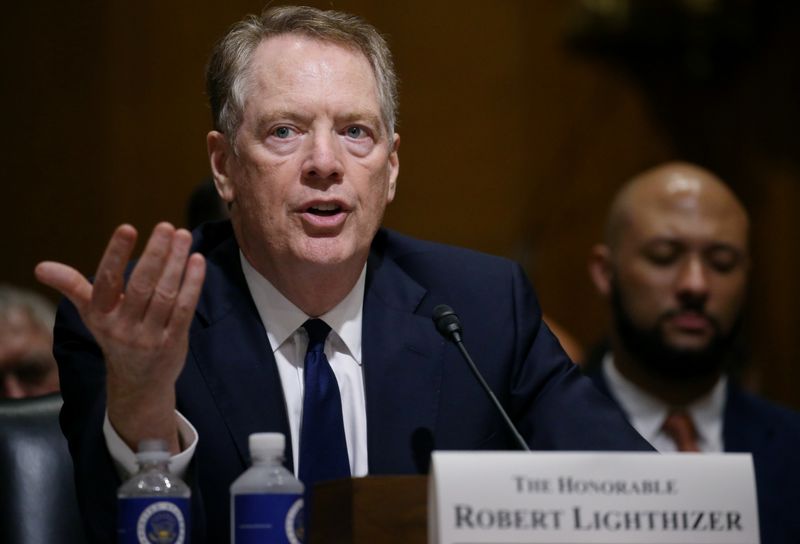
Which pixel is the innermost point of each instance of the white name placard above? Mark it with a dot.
(575, 498)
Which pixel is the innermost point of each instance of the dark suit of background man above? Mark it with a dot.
(674, 268)
(305, 154)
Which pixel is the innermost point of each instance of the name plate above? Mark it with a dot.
(575, 498)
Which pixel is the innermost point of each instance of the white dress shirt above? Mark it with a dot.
(288, 342)
(647, 413)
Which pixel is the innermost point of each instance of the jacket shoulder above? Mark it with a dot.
(765, 410)
(422, 257)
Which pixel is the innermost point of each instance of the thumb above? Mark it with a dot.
(68, 281)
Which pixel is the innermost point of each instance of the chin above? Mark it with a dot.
(684, 343)
(328, 251)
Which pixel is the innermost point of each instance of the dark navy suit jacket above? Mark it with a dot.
(420, 395)
(772, 434)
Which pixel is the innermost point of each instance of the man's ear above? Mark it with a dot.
(600, 270)
(220, 154)
(394, 167)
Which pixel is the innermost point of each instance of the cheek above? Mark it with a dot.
(259, 190)
(377, 203)
(647, 295)
(728, 299)
(371, 183)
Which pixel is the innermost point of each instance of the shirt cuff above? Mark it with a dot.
(125, 459)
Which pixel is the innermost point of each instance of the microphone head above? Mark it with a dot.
(447, 322)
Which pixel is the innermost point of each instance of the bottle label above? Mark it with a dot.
(153, 520)
(265, 517)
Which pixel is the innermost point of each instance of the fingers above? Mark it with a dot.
(165, 281)
(109, 282)
(188, 295)
(162, 291)
(66, 280)
(148, 272)
(169, 284)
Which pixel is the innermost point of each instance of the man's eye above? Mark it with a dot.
(32, 371)
(662, 260)
(355, 132)
(663, 253)
(662, 257)
(723, 260)
(282, 132)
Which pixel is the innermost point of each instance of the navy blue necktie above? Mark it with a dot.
(323, 448)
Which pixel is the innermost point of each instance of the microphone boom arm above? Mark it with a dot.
(448, 324)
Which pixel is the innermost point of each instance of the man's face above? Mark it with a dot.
(315, 166)
(679, 271)
(27, 367)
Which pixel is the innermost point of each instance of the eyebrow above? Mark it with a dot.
(714, 245)
(367, 117)
(724, 246)
(272, 116)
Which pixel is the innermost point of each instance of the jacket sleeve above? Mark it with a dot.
(82, 374)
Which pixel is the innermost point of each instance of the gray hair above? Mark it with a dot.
(41, 311)
(226, 74)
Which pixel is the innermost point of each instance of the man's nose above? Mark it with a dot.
(693, 279)
(324, 157)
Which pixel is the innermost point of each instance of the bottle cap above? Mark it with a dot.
(151, 450)
(262, 444)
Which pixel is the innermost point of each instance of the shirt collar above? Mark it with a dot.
(281, 318)
(647, 413)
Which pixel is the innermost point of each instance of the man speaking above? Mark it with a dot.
(205, 341)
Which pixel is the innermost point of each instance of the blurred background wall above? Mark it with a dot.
(519, 120)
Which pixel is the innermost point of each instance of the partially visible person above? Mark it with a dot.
(27, 366)
(674, 269)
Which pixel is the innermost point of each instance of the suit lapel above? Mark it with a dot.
(233, 355)
(402, 370)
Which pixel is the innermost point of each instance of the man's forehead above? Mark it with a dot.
(290, 70)
(685, 219)
(285, 53)
(680, 201)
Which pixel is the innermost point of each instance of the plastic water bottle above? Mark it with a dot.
(267, 500)
(153, 504)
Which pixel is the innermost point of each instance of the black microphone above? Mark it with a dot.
(449, 326)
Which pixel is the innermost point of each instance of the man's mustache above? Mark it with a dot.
(697, 309)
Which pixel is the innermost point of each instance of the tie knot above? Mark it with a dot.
(317, 331)
(680, 427)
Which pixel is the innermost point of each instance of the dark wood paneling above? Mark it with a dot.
(512, 142)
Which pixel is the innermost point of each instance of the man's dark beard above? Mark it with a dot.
(650, 350)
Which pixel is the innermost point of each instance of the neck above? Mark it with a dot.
(315, 289)
(673, 392)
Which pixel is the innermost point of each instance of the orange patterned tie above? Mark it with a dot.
(680, 428)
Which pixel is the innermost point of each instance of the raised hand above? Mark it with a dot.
(142, 327)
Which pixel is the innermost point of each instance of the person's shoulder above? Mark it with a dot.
(414, 252)
(767, 410)
(472, 282)
(210, 236)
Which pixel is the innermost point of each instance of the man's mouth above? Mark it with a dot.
(691, 321)
(324, 210)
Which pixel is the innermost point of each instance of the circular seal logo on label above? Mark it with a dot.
(161, 523)
(295, 527)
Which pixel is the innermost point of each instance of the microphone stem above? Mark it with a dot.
(523, 446)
